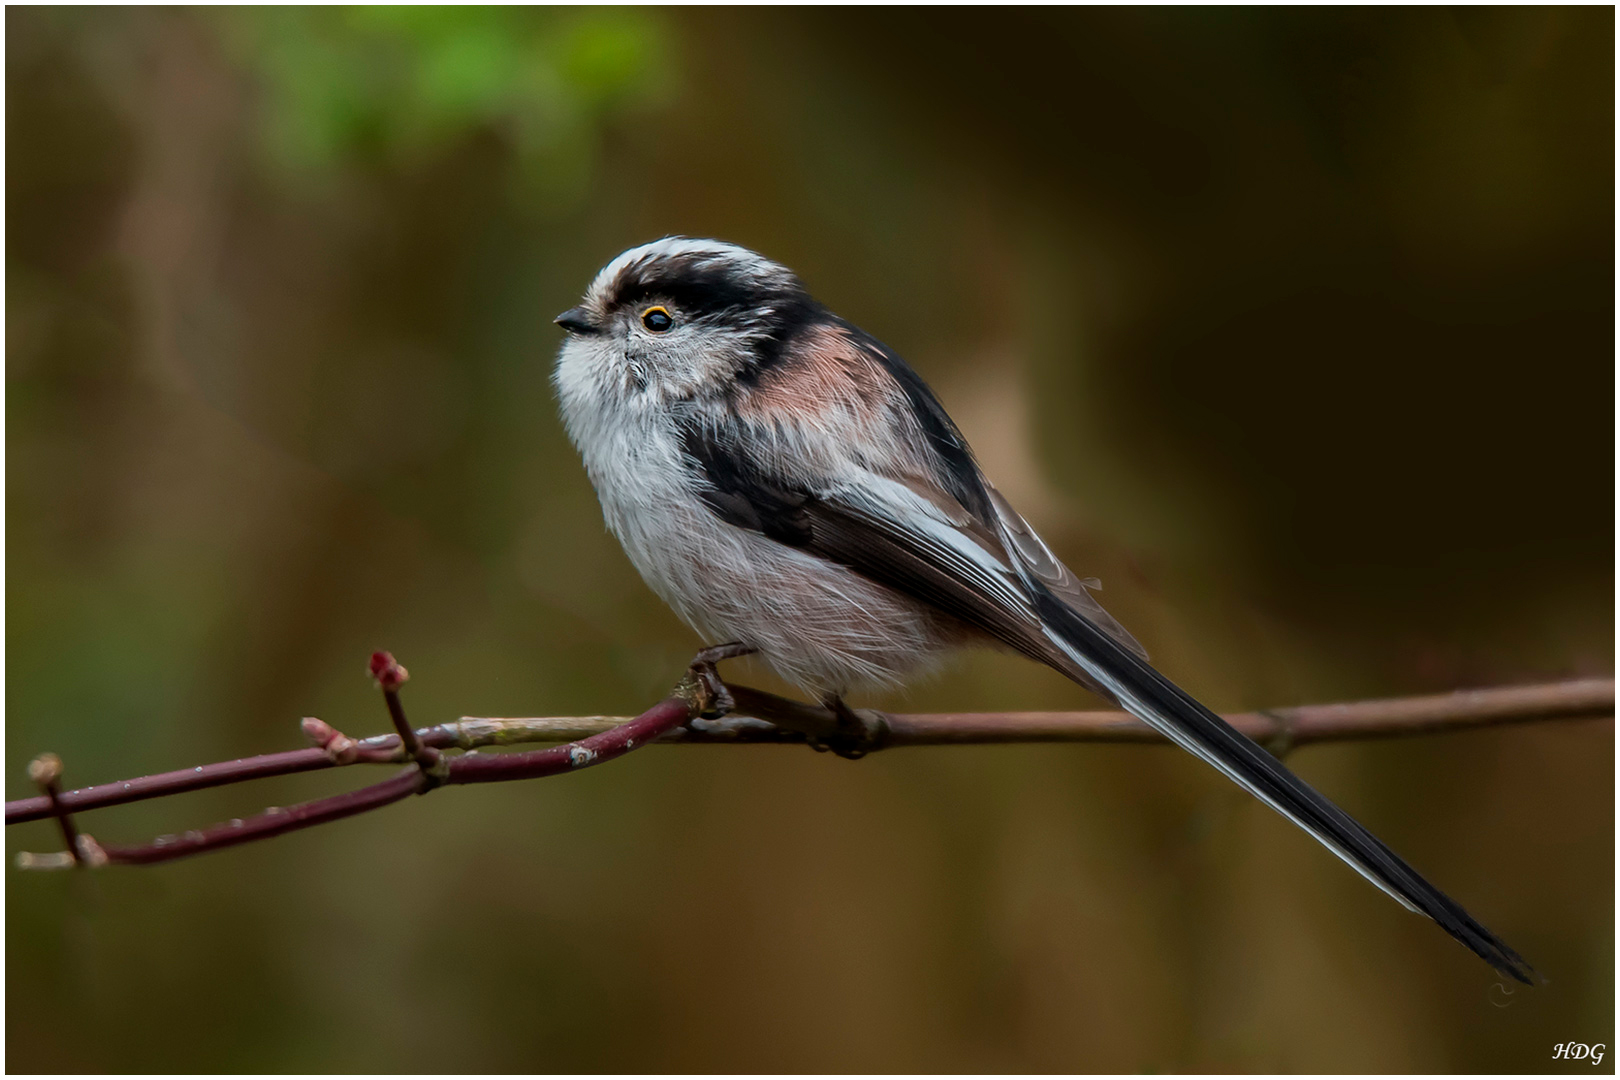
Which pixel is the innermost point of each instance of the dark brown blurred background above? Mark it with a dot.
(1295, 327)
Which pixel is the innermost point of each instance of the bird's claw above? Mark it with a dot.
(702, 688)
(855, 736)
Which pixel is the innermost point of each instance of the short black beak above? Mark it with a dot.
(576, 320)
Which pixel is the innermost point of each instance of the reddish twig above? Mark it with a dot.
(1461, 710)
(760, 718)
(390, 675)
(791, 722)
(181, 780)
(46, 773)
(82, 850)
(429, 770)
(272, 822)
(473, 768)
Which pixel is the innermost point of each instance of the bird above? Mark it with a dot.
(790, 486)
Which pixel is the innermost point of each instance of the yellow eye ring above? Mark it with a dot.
(657, 319)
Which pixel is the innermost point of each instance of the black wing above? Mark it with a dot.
(916, 534)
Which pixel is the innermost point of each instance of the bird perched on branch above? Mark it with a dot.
(786, 482)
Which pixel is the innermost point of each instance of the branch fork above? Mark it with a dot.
(700, 693)
(82, 850)
(701, 709)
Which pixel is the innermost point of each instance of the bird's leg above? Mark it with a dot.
(853, 738)
(710, 697)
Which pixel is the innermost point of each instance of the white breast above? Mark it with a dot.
(821, 626)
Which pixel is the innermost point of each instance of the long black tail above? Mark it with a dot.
(1157, 701)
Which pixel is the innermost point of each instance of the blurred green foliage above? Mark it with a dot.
(1293, 326)
(375, 84)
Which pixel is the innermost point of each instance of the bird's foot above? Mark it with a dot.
(855, 735)
(703, 688)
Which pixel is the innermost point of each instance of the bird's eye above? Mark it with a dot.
(657, 319)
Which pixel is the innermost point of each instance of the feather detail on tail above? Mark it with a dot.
(1097, 657)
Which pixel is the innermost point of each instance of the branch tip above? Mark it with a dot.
(391, 675)
(387, 672)
(45, 770)
(336, 745)
(90, 853)
(756, 717)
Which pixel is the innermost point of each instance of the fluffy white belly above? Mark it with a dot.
(821, 626)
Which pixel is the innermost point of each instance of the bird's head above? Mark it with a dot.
(681, 318)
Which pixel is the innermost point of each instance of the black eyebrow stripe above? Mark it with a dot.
(701, 286)
(776, 307)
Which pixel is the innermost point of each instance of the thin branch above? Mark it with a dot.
(471, 768)
(181, 780)
(390, 675)
(1300, 725)
(697, 694)
(272, 822)
(46, 773)
(763, 718)
(792, 721)
(759, 717)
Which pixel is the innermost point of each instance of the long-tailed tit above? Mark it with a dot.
(785, 481)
